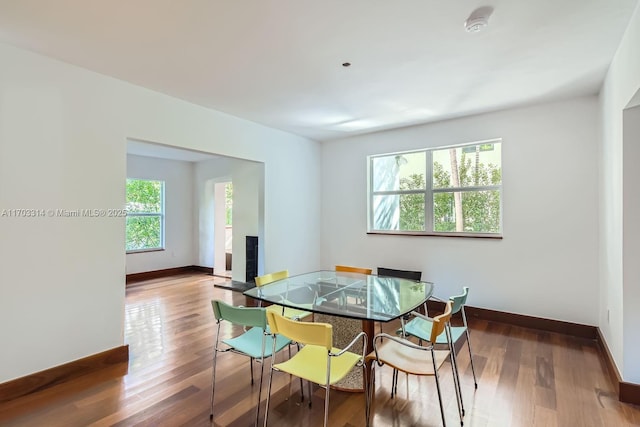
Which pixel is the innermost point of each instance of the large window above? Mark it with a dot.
(145, 215)
(453, 190)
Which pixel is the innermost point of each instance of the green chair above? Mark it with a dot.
(255, 342)
(421, 329)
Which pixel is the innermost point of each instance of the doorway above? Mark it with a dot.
(223, 226)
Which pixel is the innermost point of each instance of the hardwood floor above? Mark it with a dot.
(525, 377)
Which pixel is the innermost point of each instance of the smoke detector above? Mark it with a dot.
(478, 19)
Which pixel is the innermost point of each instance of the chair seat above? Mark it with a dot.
(250, 343)
(421, 328)
(407, 359)
(289, 313)
(310, 363)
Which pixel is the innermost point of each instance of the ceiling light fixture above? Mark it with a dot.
(478, 19)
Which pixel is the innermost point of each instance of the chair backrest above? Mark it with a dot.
(403, 274)
(313, 333)
(271, 277)
(244, 316)
(349, 269)
(459, 300)
(439, 322)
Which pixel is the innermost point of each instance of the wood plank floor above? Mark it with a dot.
(526, 378)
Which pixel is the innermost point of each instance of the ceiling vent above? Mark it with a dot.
(478, 19)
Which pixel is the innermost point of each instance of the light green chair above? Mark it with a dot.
(421, 329)
(255, 342)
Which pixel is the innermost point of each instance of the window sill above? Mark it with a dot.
(139, 251)
(419, 234)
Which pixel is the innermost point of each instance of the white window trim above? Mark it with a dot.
(161, 215)
(429, 192)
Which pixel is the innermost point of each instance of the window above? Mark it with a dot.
(453, 190)
(145, 215)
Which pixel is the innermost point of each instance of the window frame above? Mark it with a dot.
(429, 191)
(161, 215)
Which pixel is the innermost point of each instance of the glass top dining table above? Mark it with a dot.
(345, 294)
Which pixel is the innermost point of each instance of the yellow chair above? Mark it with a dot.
(318, 361)
(290, 313)
(423, 360)
(345, 329)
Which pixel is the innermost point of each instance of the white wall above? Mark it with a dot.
(620, 86)
(178, 204)
(545, 266)
(63, 133)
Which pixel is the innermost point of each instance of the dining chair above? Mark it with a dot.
(349, 269)
(254, 342)
(344, 330)
(421, 329)
(291, 313)
(318, 361)
(402, 274)
(414, 359)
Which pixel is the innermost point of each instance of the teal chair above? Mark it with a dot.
(256, 342)
(421, 329)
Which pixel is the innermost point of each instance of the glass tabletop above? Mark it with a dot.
(353, 295)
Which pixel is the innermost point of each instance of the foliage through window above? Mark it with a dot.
(450, 190)
(145, 215)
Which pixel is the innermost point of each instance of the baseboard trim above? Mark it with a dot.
(532, 322)
(627, 392)
(539, 323)
(201, 269)
(59, 374)
(167, 272)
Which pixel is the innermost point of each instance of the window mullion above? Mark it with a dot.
(428, 192)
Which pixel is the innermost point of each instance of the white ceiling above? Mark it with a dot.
(278, 62)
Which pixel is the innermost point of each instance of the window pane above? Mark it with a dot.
(144, 196)
(468, 166)
(412, 212)
(478, 211)
(399, 212)
(391, 173)
(144, 232)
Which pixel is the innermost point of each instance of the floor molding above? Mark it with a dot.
(59, 374)
(627, 392)
(167, 272)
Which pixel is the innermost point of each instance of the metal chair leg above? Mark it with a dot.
(435, 370)
(466, 330)
(251, 368)
(213, 374)
(266, 410)
(454, 369)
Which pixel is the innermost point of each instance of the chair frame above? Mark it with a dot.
(261, 324)
(274, 318)
(458, 303)
(445, 317)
